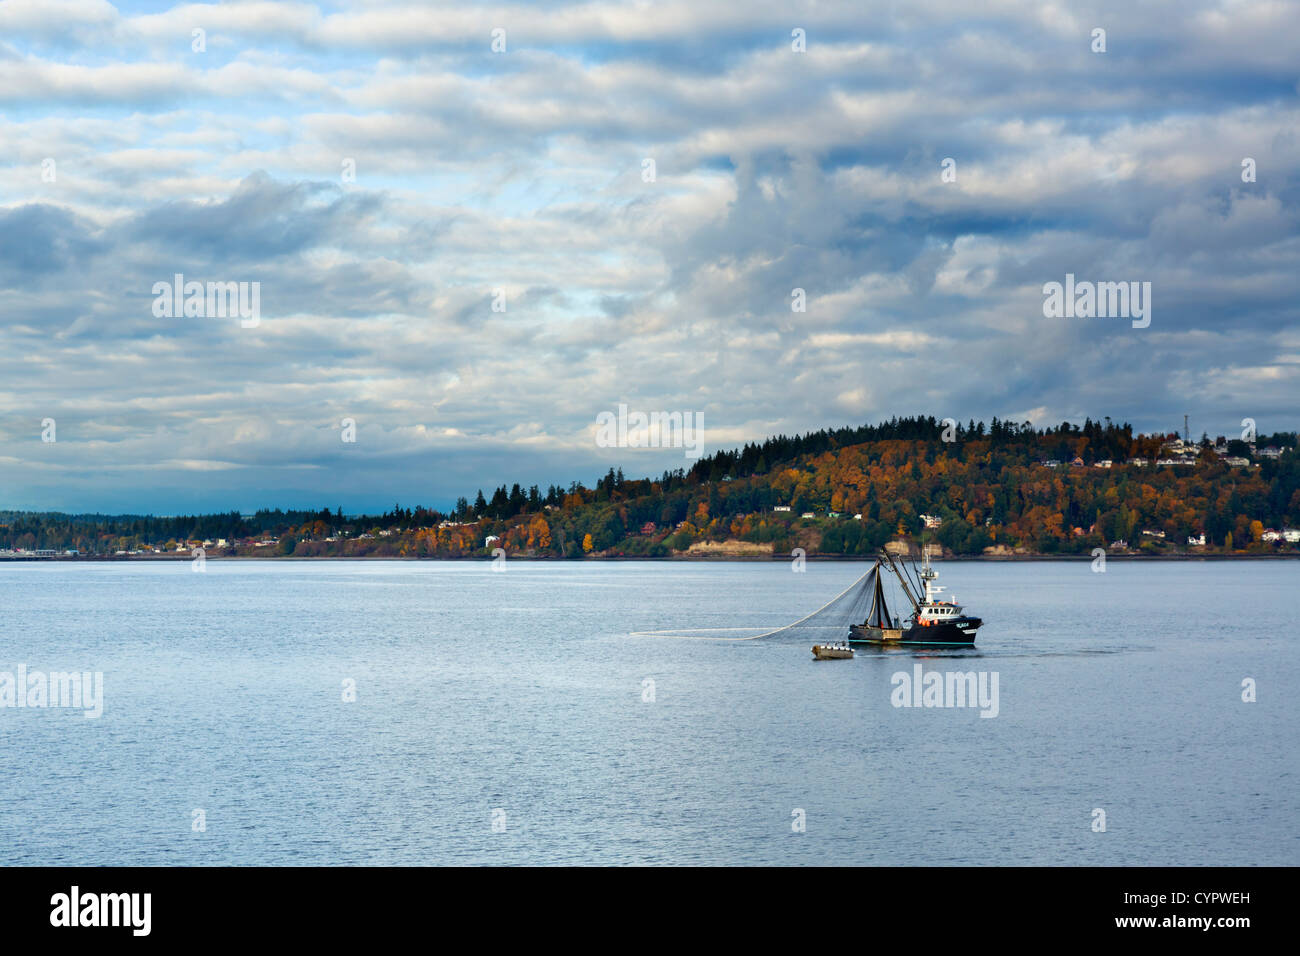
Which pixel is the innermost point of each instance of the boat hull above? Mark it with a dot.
(959, 632)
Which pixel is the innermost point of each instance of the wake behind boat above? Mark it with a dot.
(932, 622)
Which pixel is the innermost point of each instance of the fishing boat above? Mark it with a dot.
(832, 652)
(932, 622)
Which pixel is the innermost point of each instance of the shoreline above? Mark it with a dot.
(692, 559)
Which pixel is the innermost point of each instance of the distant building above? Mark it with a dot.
(808, 514)
(1139, 462)
(1197, 541)
(781, 508)
(931, 521)
(490, 540)
(1289, 535)
(648, 528)
(1104, 463)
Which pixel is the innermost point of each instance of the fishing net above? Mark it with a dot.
(830, 622)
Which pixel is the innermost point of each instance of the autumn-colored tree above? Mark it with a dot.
(539, 533)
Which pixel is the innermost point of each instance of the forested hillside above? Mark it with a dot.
(1006, 486)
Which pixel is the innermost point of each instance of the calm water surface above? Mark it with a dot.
(523, 691)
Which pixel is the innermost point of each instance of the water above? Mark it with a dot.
(522, 691)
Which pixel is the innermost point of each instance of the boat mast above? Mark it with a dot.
(928, 575)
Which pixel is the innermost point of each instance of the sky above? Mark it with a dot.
(470, 253)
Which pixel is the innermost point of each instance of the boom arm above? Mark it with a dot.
(889, 559)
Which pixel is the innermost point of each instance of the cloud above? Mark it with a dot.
(388, 180)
